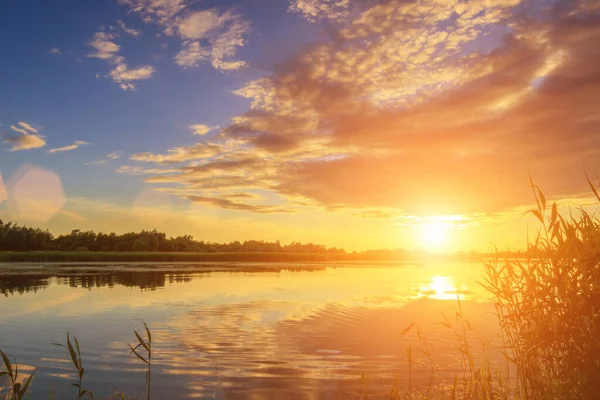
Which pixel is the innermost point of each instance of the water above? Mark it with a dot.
(251, 331)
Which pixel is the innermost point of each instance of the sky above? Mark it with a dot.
(362, 124)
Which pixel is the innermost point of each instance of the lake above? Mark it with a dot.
(247, 331)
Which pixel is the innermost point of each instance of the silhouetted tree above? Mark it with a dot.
(20, 238)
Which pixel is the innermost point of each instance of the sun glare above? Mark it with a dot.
(440, 288)
(434, 235)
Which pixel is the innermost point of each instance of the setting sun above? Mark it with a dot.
(434, 235)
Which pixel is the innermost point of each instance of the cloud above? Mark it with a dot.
(19, 130)
(27, 128)
(137, 170)
(77, 144)
(161, 12)
(97, 162)
(206, 35)
(27, 138)
(225, 46)
(109, 157)
(224, 34)
(178, 154)
(191, 54)
(201, 129)
(24, 142)
(55, 50)
(417, 108)
(318, 9)
(220, 166)
(202, 24)
(248, 196)
(114, 155)
(129, 31)
(121, 74)
(106, 48)
(232, 205)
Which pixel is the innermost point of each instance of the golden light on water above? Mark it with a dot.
(440, 288)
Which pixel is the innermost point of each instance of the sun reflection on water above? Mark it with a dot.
(442, 288)
(217, 332)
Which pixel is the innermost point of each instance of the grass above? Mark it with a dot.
(16, 390)
(478, 379)
(547, 305)
(548, 308)
(75, 355)
(145, 344)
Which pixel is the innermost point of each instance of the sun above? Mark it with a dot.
(434, 235)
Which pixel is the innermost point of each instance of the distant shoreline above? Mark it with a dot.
(90, 256)
(106, 257)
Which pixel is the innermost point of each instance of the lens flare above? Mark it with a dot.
(36, 194)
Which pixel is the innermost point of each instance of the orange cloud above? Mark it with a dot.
(419, 108)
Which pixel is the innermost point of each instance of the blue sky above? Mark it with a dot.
(311, 120)
(51, 81)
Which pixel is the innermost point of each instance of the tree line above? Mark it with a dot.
(14, 237)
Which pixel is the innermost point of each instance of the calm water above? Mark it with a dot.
(297, 331)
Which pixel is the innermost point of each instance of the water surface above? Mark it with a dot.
(255, 331)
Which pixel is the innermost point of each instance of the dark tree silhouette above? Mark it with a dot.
(21, 238)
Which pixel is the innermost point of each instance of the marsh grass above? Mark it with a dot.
(548, 308)
(145, 344)
(17, 390)
(75, 355)
(477, 379)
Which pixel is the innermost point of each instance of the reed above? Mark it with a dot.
(145, 344)
(548, 308)
(17, 390)
(477, 381)
(75, 355)
(548, 305)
